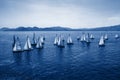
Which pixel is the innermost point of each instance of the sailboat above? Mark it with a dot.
(60, 43)
(102, 42)
(39, 44)
(91, 36)
(17, 46)
(88, 38)
(34, 40)
(69, 40)
(106, 37)
(83, 38)
(56, 40)
(27, 46)
(42, 39)
(116, 36)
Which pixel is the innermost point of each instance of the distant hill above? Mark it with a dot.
(58, 28)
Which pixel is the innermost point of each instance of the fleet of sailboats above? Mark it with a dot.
(59, 41)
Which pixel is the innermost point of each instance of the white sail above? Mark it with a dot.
(60, 42)
(91, 36)
(69, 40)
(106, 37)
(88, 38)
(83, 38)
(17, 46)
(56, 40)
(39, 44)
(42, 40)
(116, 36)
(101, 42)
(28, 44)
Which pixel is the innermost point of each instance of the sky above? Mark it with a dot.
(65, 13)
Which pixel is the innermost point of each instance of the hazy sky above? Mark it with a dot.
(66, 13)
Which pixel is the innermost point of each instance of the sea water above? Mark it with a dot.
(75, 62)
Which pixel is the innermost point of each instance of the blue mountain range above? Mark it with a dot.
(59, 28)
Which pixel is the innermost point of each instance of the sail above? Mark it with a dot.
(42, 40)
(101, 42)
(91, 36)
(88, 38)
(83, 38)
(106, 37)
(39, 43)
(116, 36)
(59, 41)
(27, 44)
(17, 46)
(56, 41)
(69, 40)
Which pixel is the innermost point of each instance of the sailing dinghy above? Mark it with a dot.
(56, 40)
(39, 44)
(102, 42)
(116, 36)
(61, 43)
(28, 46)
(17, 45)
(69, 40)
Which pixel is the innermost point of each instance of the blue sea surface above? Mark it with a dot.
(75, 62)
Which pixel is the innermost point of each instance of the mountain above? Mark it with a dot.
(58, 28)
